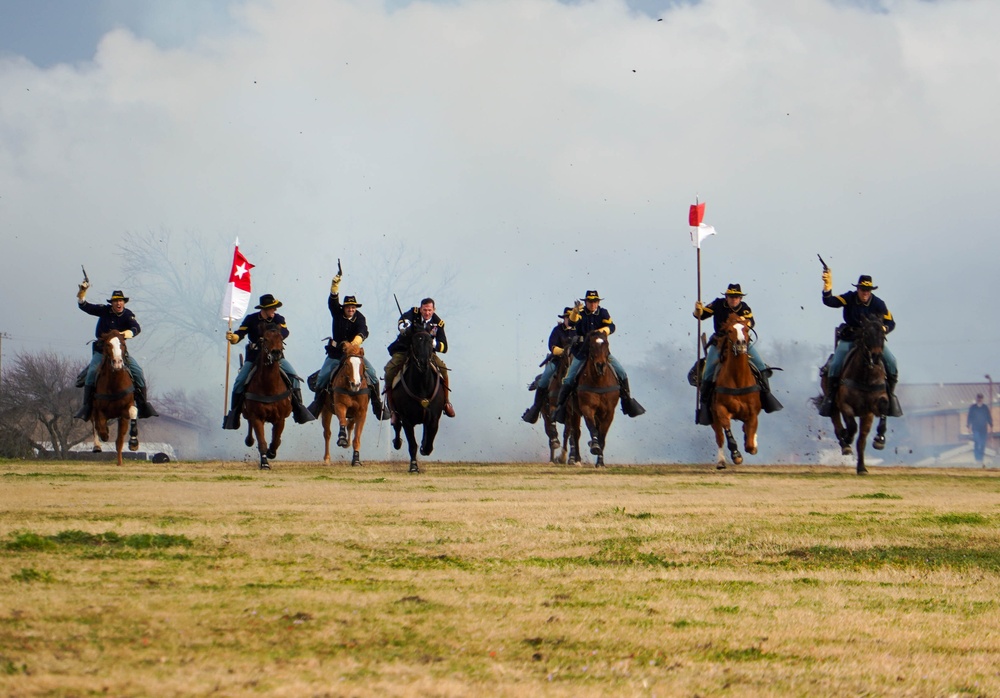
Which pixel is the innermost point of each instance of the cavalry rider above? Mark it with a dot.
(114, 316)
(719, 310)
(420, 317)
(253, 327)
(560, 337)
(349, 325)
(591, 316)
(856, 305)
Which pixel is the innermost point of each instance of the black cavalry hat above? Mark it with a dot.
(565, 313)
(734, 290)
(351, 300)
(865, 283)
(268, 301)
(118, 296)
(592, 296)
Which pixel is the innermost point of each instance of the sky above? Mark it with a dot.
(511, 156)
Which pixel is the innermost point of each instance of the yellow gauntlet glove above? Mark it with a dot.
(335, 285)
(127, 334)
(557, 351)
(699, 309)
(357, 340)
(82, 293)
(233, 337)
(576, 312)
(827, 280)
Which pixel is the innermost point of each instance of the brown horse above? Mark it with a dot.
(862, 393)
(114, 395)
(418, 397)
(268, 399)
(572, 416)
(348, 400)
(737, 394)
(597, 392)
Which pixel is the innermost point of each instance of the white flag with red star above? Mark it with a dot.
(237, 297)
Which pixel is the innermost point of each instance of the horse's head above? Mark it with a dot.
(351, 349)
(113, 346)
(871, 339)
(734, 337)
(421, 347)
(272, 345)
(598, 350)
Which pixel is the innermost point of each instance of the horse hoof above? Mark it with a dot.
(342, 443)
(264, 465)
(272, 453)
(425, 451)
(248, 441)
(720, 466)
(96, 449)
(878, 443)
(397, 443)
(413, 467)
(133, 445)
(846, 451)
(595, 449)
(862, 470)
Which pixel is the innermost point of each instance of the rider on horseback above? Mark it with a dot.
(253, 327)
(561, 335)
(114, 316)
(593, 317)
(857, 304)
(419, 317)
(719, 310)
(349, 325)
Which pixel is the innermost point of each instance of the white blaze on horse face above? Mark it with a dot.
(354, 365)
(599, 340)
(116, 353)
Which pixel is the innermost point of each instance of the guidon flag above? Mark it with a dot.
(236, 299)
(699, 231)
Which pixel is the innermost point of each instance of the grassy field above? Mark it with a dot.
(190, 579)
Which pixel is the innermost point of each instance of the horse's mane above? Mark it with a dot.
(350, 349)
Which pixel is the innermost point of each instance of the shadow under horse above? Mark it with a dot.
(268, 398)
(862, 394)
(418, 397)
(737, 394)
(347, 399)
(597, 393)
(114, 395)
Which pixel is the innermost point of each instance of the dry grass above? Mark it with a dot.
(211, 578)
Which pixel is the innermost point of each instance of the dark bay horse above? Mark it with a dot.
(348, 400)
(572, 417)
(737, 394)
(418, 397)
(268, 398)
(862, 393)
(597, 392)
(114, 395)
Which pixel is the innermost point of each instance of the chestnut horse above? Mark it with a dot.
(597, 393)
(418, 397)
(268, 398)
(737, 394)
(572, 417)
(114, 395)
(863, 392)
(348, 400)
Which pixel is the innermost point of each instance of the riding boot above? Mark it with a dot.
(316, 406)
(630, 406)
(88, 403)
(531, 414)
(560, 412)
(142, 406)
(534, 384)
(448, 409)
(832, 386)
(705, 408)
(393, 417)
(380, 411)
(299, 412)
(232, 420)
(894, 408)
(768, 402)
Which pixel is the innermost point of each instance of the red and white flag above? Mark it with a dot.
(699, 231)
(237, 297)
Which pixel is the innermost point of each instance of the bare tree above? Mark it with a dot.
(40, 397)
(174, 286)
(195, 407)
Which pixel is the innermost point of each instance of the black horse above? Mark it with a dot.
(863, 392)
(418, 398)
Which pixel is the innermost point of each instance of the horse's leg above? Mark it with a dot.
(565, 445)
(133, 432)
(100, 424)
(97, 441)
(257, 428)
(552, 432)
(750, 433)
(429, 432)
(411, 444)
(250, 433)
(720, 456)
(734, 451)
(866, 426)
(120, 436)
(357, 426)
(327, 416)
(840, 431)
(878, 443)
(575, 439)
(340, 408)
(589, 416)
(277, 427)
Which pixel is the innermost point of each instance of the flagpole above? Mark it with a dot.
(697, 339)
(225, 396)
